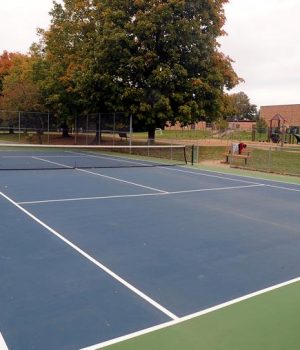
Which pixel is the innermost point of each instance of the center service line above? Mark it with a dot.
(101, 175)
(94, 261)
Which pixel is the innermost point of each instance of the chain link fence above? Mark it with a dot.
(265, 158)
(46, 128)
(272, 159)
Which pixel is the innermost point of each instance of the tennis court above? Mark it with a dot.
(93, 255)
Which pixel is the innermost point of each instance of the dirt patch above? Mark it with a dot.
(215, 163)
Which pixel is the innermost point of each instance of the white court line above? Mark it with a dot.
(101, 175)
(94, 198)
(55, 163)
(120, 180)
(114, 158)
(139, 195)
(183, 171)
(190, 317)
(94, 261)
(245, 181)
(214, 176)
(284, 188)
(238, 175)
(44, 156)
(217, 189)
(3, 345)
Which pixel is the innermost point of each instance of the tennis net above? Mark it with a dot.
(45, 157)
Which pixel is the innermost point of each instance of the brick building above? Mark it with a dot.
(242, 125)
(177, 126)
(291, 113)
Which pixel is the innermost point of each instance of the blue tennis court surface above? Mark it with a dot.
(88, 255)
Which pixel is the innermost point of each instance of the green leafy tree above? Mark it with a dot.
(61, 51)
(261, 126)
(155, 59)
(164, 57)
(240, 107)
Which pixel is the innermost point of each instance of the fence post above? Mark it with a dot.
(99, 128)
(130, 132)
(114, 128)
(270, 160)
(19, 127)
(48, 128)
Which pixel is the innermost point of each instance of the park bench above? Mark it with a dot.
(229, 156)
(123, 134)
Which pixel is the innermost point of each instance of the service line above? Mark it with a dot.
(139, 195)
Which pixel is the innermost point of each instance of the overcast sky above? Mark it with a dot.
(263, 40)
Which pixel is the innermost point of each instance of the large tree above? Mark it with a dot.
(157, 59)
(164, 58)
(240, 107)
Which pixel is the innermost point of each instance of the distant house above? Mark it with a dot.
(291, 113)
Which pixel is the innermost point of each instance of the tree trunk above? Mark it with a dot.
(98, 134)
(151, 134)
(65, 130)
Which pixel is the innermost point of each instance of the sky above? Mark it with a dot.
(262, 39)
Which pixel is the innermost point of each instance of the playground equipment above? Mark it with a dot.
(277, 132)
(297, 137)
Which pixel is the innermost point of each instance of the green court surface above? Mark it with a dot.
(267, 321)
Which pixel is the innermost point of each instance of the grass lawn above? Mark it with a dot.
(281, 161)
(267, 321)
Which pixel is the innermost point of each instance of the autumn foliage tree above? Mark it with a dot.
(6, 62)
(20, 91)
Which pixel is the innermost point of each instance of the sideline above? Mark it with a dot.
(94, 261)
(3, 345)
(192, 316)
